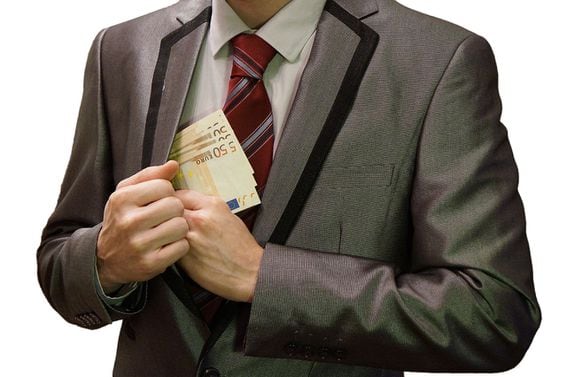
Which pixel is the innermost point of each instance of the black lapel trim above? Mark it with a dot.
(159, 78)
(226, 313)
(337, 116)
(180, 288)
(175, 282)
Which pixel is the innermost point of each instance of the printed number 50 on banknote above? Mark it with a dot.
(212, 162)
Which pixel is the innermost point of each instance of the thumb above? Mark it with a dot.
(166, 171)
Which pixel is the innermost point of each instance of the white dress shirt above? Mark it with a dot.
(291, 32)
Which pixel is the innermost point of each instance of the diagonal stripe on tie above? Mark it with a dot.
(237, 89)
(239, 96)
(256, 147)
(246, 68)
(263, 128)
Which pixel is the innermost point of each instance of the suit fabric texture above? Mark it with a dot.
(394, 234)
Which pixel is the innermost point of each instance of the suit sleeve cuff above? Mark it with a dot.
(87, 307)
(116, 299)
(284, 303)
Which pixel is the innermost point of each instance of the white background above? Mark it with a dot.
(43, 48)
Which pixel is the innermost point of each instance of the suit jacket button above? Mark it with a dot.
(211, 372)
(323, 353)
(291, 348)
(307, 352)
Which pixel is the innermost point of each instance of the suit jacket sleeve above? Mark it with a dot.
(467, 302)
(67, 253)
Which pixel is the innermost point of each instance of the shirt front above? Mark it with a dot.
(291, 32)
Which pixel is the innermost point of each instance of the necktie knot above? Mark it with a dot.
(251, 55)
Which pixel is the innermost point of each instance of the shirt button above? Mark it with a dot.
(211, 372)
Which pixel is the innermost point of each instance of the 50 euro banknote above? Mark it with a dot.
(212, 162)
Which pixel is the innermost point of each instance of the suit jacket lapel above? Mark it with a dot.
(324, 97)
(176, 62)
(177, 58)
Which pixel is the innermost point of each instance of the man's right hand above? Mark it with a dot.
(143, 230)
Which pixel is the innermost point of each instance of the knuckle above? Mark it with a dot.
(184, 243)
(175, 204)
(180, 248)
(217, 201)
(180, 224)
(198, 218)
(165, 186)
(159, 264)
(137, 244)
(116, 198)
(179, 207)
(189, 237)
(121, 196)
(147, 267)
(127, 221)
(123, 183)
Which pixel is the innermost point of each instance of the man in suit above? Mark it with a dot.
(391, 235)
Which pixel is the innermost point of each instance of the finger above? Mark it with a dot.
(144, 193)
(192, 199)
(165, 233)
(171, 253)
(159, 212)
(166, 171)
(187, 215)
(196, 220)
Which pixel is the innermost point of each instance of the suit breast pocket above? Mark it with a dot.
(344, 178)
(346, 209)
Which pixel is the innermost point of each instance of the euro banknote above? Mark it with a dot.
(213, 162)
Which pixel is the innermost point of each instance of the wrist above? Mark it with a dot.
(108, 285)
(254, 276)
(110, 289)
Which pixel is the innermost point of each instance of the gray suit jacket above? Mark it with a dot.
(394, 234)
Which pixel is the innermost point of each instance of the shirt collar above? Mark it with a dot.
(287, 31)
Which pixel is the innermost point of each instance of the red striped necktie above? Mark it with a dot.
(249, 113)
(248, 108)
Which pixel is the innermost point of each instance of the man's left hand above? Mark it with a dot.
(224, 258)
